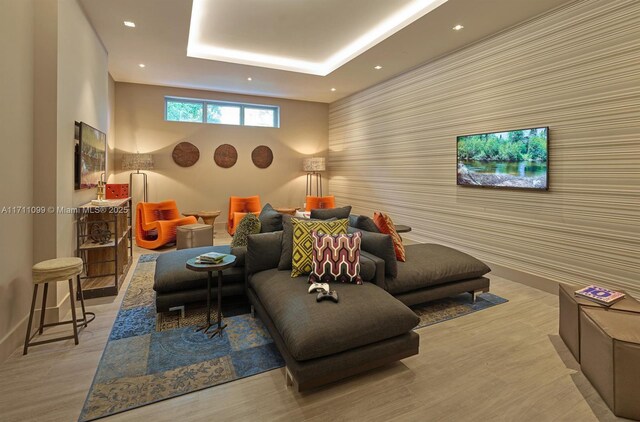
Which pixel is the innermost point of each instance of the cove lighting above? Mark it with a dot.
(130, 24)
(389, 26)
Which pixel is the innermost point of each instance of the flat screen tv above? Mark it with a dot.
(516, 159)
(90, 155)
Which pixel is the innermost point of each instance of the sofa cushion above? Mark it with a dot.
(365, 314)
(303, 242)
(172, 275)
(386, 226)
(270, 220)
(363, 222)
(335, 258)
(381, 246)
(250, 224)
(429, 264)
(327, 213)
(287, 241)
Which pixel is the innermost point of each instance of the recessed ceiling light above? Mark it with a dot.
(333, 89)
(142, 65)
(130, 24)
(378, 67)
(249, 78)
(457, 27)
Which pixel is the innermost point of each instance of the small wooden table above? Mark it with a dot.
(208, 217)
(285, 210)
(402, 228)
(228, 262)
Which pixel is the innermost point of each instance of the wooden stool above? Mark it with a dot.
(54, 270)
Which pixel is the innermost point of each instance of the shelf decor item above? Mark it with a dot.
(117, 191)
(138, 162)
(314, 166)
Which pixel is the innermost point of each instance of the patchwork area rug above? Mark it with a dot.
(151, 357)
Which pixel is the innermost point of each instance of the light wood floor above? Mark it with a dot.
(505, 363)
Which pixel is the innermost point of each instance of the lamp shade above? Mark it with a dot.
(137, 162)
(314, 164)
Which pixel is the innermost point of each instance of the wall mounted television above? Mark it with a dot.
(90, 155)
(514, 159)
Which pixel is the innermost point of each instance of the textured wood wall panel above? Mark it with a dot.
(576, 70)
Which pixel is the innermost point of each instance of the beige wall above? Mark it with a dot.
(83, 90)
(16, 136)
(54, 72)
(392, 147)
(140, 126)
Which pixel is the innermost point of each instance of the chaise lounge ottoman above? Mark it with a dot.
(177, 286)
(322, 342)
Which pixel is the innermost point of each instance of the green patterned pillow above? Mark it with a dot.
(303, 242)
(250, 224)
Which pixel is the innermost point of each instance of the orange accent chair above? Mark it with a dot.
(315, 202)
(239, 207)
(156, 223)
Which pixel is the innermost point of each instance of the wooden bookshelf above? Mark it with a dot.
(105, 246)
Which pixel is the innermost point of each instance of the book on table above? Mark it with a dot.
(211, 258)
(600, 295)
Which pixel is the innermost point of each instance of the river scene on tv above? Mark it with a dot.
(514, 159)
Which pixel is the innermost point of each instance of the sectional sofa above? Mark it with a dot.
(322, 342)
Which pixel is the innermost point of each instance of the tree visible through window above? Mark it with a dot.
(219, 112)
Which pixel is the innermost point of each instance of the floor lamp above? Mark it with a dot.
(313, 166)
(138, 162)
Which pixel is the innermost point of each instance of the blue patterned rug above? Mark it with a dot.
(151, 357)
(146, 361)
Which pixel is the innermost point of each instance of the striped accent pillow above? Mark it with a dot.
(303, 243)
(336, 258)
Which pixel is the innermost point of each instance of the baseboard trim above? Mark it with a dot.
(527, 279)
(15, 338)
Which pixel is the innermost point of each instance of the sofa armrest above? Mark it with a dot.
(263, 252)
(380, 245)
(240, 252)
(379, 278)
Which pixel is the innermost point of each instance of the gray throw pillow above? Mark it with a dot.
(248, 225)
(270, 219)
(380, 245)
(327, 213)
(364, 223)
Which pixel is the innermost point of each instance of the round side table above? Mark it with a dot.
(228, 262)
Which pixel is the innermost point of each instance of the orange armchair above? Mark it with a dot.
(239, 207)
(156, 223)
(315, 202)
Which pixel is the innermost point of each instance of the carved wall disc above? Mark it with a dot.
(225, 156)
(262, 156)
(185, 154)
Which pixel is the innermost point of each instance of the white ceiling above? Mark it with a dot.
(310, 31)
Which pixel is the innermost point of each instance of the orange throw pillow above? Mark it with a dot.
(386, 226)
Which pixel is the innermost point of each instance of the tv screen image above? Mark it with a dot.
(512, 159)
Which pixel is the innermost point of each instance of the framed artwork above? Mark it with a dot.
(90, 156)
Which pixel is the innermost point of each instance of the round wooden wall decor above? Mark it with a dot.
(262, 156)
(185, 154)
(225, 156)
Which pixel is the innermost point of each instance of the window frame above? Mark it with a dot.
(240, 106)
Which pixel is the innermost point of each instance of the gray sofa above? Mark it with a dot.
(324, 342)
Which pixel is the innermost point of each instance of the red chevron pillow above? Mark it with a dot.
(386, 226)
(336, 258)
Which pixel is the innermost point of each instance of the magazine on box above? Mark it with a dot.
(600, 295)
